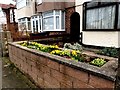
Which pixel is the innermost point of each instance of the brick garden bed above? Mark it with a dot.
(51, 71)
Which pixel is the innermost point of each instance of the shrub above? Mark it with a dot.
(98, 62)
(75, 46)
(109, 51)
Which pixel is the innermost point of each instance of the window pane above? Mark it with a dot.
(23, 19)
(57, 22)
(92, 4)
(40, 23)
(28, 19)
(63, 20)
(32, 17)
(100, 18)
(29, 26)
(21, 4)
(119, 18)
(19, 20)
(37, 25)
(33, 26)
(48, 13)
(48, 23)
(40, 16)
(27, 2)
(57, 12)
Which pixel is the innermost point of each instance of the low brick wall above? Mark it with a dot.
(50, 71)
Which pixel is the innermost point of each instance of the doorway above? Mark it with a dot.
(75, 27)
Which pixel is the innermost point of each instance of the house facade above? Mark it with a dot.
(8, 15)
(25, 9)
(100, 23)
(52, 16)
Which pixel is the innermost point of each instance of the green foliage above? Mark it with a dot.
(109, 51)
(35, 45)
(23, 44)
(72, 54)
(75, 46)
(98, 62)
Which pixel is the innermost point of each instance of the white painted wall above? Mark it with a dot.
(97, 38)
(26, 11)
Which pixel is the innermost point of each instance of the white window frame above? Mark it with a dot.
(42, 16)
(38, 19)
(45, 17)
(20, 21)
(27, 2)
(54, 19)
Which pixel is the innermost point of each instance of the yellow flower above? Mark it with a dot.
(74, 53)
(56, 46)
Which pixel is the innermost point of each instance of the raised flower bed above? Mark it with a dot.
(67, 53)
(54, 67)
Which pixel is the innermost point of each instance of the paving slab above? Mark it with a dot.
(12, 77)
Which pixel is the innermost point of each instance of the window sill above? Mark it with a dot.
(39, 3)
(55, 30)
(92, 30)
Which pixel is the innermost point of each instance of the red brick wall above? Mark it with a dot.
(47, 73)
(68, 13)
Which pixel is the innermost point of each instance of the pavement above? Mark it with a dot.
(12, 77)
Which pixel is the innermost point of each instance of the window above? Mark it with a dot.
(53, 21)
(36, 22)
(11, 17)
(27, 2)
(24, 22)
(39, 1)
(48, 21)
(22, 3)
(100, 16)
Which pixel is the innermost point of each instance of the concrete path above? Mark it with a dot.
(13, 78)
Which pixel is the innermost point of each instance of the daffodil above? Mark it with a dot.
(74, 52)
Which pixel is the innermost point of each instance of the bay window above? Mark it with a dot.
(48, 21)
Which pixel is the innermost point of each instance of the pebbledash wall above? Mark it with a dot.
(51, 71)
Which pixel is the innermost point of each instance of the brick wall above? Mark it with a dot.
(47, 73)
(68, 13)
